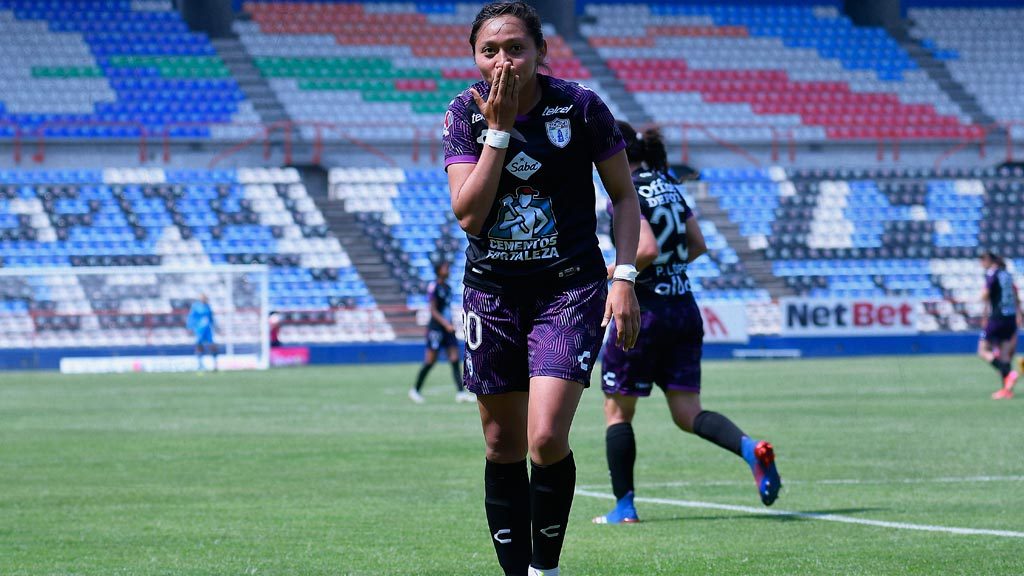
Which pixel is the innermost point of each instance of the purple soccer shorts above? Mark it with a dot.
(667, 353)
(511, 338)
(999, 330)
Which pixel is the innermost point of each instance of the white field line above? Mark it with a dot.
(836, 481)
(814, 516)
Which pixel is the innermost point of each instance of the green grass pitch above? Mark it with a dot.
(333, 471)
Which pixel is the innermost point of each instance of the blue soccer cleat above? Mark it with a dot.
(624, 512)
(761, 457)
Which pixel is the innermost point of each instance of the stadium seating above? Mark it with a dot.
(981, 49)
(717, 276)
(178, 219)
(373, 71)
(827, 233)
(410, 212)
(769, 73)
(113, 69)
(916, 233)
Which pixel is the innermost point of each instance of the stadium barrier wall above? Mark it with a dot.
(311, 141)
(411, 352)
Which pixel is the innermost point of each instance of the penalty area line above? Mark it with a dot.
(814, 516)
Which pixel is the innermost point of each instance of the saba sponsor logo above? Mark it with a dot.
(552, 110)
(522, 166)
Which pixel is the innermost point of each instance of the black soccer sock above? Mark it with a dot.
(719, 430)
(424, 370)
(457, 375)
(620, 447)
(551, 490)
(507, 502)
(1002, 367)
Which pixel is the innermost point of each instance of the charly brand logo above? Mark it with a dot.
(582, 359)
(551, 531)
(559, 131)
(522, 166)
(552, 110)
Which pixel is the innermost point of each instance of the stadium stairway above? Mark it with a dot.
(754, 261)
(253, 84)
(631, 110)
(940, 74)
(366, 258)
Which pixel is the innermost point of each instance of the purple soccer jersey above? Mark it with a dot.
(1002, 320)
(1001, 292)
(541, 229)
(663, 206)
(513, 337)
(667, 353)
(669, 348)
(439, 294)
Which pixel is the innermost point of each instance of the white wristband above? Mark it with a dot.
(497, 138)
(625, 272)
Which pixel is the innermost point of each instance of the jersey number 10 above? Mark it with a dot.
(473, 329)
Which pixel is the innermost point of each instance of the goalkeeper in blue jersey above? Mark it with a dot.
(200, 322)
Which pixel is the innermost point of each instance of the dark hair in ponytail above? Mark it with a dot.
(648, 148)
(655, 155)
(994, 258)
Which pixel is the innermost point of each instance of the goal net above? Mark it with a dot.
(114, 319)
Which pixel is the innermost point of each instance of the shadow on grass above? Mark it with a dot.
(787, 516)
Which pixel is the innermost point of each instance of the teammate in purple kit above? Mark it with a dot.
(1003, 315)
(668, 352)
(520, 150)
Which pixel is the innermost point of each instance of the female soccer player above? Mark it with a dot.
(1002, 316)
(440, 334)
(668, 352)
(520, 150)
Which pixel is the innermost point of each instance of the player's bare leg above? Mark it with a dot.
(429, 358)
(461, 394)
(689, 415)
(1006, 352)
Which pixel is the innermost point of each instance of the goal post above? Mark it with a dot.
(123, 319)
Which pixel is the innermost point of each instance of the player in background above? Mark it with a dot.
(520, 151)
(275, 322)
(1003, 315)
(440, 334)
(668, 352)
(200, 321)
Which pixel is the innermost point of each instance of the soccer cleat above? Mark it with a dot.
(1002, 394)
(761, 458)
(415, 396)
(624, 512)
(465, 396)
(1010, 381)
(542, 571)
